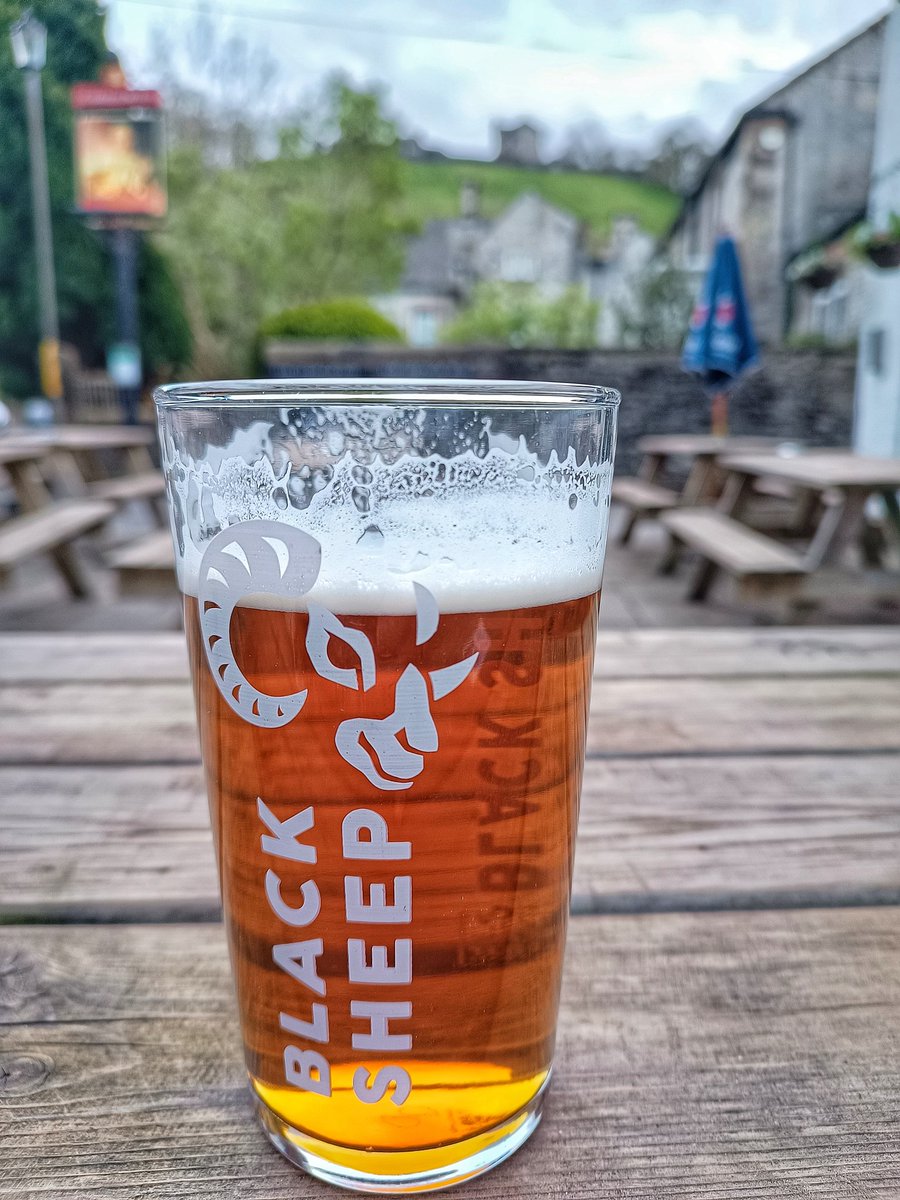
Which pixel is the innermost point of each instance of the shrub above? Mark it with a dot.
(331, 320)
(517, 314)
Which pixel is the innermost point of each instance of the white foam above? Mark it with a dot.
(515, 538)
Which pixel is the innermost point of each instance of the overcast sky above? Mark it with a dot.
(449, 66)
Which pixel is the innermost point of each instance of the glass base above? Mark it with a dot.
(387, 1171)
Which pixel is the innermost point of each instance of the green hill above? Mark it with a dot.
(432, 190)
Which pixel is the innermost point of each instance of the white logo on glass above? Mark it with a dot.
(267, 558)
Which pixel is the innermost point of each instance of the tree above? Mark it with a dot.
(680, 157)
(75, 50)
(318, 221)
(221, 90)
(516, 314)
(657, 316)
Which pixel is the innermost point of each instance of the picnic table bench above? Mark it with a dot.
(731, 1004)
(644, 495)
(45, 526)
(65, 480)
(837, 485)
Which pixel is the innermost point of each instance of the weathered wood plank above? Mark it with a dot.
(683, 653)
(676, 833)
(642, 495)
(152, 551)
(114, 843)
(696, 444)
(821, 469)
(699, 1058)
(124, 488)
(37, 532)
(74, 658)
(730, 544)
(630, 653)
(118, 722)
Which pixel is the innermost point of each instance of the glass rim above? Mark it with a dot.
(420, 393)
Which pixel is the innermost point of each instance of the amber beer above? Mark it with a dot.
(398, 953)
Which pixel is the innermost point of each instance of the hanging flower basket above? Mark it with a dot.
(816, 270)
(885, 256)
(881, 246)
(821, 277)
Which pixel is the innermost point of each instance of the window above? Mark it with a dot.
(875, 351)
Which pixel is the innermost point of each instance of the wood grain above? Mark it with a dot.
(821, 470)
(120, 723)
(713, 1057)
(643, 653)
(36, 532)
(132, 842)
(729, 544)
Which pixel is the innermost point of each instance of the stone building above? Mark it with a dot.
(531, 242)
(519, 145)
(794, 169)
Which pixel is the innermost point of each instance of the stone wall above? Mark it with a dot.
(802, 396)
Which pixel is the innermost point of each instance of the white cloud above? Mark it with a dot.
(633, 64)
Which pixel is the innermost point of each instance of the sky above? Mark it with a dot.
(449, 67)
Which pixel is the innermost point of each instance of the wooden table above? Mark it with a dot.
(79, 458)
(703, 450)
(730, 1023)
(851, 478)
(45, 525)
(645, 494)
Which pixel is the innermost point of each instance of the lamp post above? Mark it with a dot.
(29, 46)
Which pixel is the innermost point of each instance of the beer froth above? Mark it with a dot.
(512, 544)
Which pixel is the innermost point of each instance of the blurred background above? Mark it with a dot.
(508, 188)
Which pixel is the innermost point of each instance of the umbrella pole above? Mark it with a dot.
(720, 414)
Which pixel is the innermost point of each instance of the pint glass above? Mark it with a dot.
(390, 598)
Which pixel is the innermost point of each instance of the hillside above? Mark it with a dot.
(432, 190)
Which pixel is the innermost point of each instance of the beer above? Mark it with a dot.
(415, 1006)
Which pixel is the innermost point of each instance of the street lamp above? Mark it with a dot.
(29, 47)
(29, 42)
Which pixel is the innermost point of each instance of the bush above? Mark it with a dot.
(331, 320)
(517, 314)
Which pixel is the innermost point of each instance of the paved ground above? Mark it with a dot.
(634, 596)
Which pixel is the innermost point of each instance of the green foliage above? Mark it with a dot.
(319, 221)
(819, 343)
(345, 320)
(658, 314)
(431, 190)
(166, 341)
(867, 236)
(515, 314)
(75, 50)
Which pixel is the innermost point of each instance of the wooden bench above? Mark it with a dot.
(640, 498)
(51, 530)
(758, 562)
(145, 566)
(149, 485)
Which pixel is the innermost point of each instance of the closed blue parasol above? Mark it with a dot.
(721, 344)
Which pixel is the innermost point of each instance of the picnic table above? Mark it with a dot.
(644, 495)
(44, 525)
(731, 1005)
(834, 486)
(69, 480)
(82, 456)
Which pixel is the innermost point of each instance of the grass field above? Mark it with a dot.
(432, 190)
